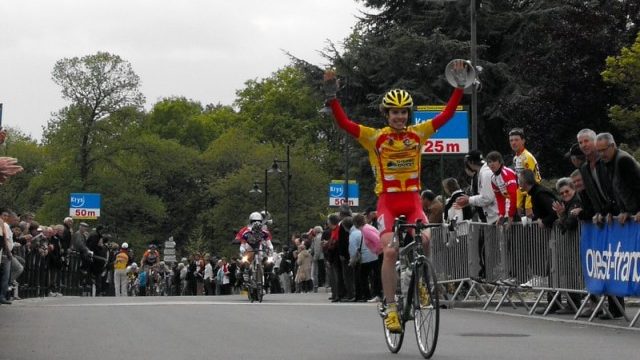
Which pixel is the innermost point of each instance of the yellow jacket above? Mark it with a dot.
(521, 161)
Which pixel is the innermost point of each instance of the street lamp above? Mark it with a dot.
(474, 64)
(256, 189)
(275, 168)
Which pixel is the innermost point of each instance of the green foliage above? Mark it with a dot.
(15, 194)
(283, 109)
(623, 72)
(185, 170)
(541, 64)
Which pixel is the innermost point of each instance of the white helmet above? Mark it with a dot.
(255, 216)
(124, 245)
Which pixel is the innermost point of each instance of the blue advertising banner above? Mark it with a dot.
(610, 258)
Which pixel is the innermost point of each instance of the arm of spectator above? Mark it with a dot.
(8, 167)
(486, 196)
(512, 189)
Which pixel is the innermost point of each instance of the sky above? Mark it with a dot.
(204, 50)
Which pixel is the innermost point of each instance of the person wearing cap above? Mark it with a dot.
(522, 160)
(80, 245)
(482, 198)
(120, 270)
(575, 155)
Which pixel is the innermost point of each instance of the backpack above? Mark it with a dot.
(142, 278)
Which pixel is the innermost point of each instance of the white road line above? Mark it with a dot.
(168, 303)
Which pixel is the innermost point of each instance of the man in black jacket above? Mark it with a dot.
(542, 199)
(624, 173)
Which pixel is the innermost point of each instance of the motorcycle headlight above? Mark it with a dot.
(245, 259)
(270, 260)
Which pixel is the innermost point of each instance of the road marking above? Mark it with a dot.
(184, 302)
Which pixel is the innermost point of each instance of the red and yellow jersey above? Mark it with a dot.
(395, 155)
(521, 161)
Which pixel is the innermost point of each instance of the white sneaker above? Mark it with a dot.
(59, 294)
(375, 300)
(52, 294)
(528, 284)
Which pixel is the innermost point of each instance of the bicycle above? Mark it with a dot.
(420, 301)
(254, 276)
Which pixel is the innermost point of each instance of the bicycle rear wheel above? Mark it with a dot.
(426, 309)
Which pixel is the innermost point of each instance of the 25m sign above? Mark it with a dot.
(84, 206)
(452, 138)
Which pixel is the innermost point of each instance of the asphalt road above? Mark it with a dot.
(291, 326)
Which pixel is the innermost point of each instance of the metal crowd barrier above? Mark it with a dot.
(517, 260)
(36, 278)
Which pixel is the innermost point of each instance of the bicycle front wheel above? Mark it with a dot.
(425, 309)
(393, 340)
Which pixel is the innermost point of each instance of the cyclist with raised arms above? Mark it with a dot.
(395, 153)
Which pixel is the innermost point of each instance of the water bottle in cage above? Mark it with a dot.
(405, 280)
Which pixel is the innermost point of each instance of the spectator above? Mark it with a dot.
(542, 199)
(575, 155)
(120, 271)
(599, 193)
(368, 282)
(523, 160)
(576, 180)
(65, 241)
(343, 252)
(209, 280)
(371, 216)
(55, 259)
(597, 183)
(482, 198)
(330, 248)
(6, 257)
(317, 266)
(431, 206)
(624, 173)
(303, 275)
(451, 209)
(568, 209)
(505, 186)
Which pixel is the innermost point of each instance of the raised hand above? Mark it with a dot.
(330, 83)
(460, 73)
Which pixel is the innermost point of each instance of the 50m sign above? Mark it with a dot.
(84, 206)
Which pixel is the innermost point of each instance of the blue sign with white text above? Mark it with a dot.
(452, 138)
(610, 258)
(84, 201)
(338, 191)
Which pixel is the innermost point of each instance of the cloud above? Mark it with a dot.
(201, 49)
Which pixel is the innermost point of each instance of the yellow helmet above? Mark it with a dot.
(397, 98)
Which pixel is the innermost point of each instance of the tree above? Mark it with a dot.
(97, 86)
(541, 59)
(623, 72)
